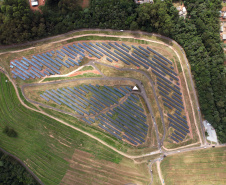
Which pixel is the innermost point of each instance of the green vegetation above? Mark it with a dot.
(43, 143)
(85, 75)
(11, 172)
(206, 166)
(86, 68)
(10, 132)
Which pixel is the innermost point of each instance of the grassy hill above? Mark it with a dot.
(48, 147)
(205, 166)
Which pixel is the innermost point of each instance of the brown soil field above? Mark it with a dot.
(85, 169)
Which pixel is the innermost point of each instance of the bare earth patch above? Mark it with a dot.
(83, 72)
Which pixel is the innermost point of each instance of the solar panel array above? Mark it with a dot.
(48, 63)
(125, 120)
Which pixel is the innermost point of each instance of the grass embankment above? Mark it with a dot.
(205, 166)
(85, 75)
(44, 144)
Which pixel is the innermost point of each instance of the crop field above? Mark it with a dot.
(206, 166)
(49, 148)
(108, 57)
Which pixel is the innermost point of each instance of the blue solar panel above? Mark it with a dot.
(73, 62)
(182, 136)
(49, 54)
(18, 75)
(50, 97)
(110, 131)
(68, 54)
(129, 135)
(60, 57)
(177, 100)
(47, 69)
(32, 63)
(126, 46)
(160, 60)
(50, 63)
(141, 109)
(167, 105)
(47, 65)
(47, 73)
(179, 121)
(92, 120)
(113, 91)
(84, 89)
(130, 140)
(89, 51)
(71, 52)
(171, 104)
(111, 94)
(62, 62)
(60, 53)
(162, 77)
(110, 127)
(163, 90)
(37, 71)
(106, 45)
(174, 139)
(179, 105)
(47, 99)
(174, 135)
(25, 63)
(69, 102)
(78, 48)
(69, 63)
(178, 112)
(178, 96)
(34, 73)
(178, 129)
(77, 89)
(137, 111)
(87, 121)
(175, 90)
(22, 65)
(164, 66)
(144, 49)
(93, 49)
(78, 102)
(55, 62)
(76, 51)
(178, 125)
(119, 91)
(21, 73)
(121, 47)
(52, 52)
(140, 51)
(103, 93)
(159, 55)
(134, 96)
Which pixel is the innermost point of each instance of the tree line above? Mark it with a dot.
(11, 172)
(198, 34)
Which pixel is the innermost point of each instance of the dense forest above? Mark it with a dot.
(198, 34)
(11, 172)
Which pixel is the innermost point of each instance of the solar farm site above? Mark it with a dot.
(109, 102)
(100, 105)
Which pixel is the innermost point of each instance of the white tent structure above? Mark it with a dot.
(135, 88)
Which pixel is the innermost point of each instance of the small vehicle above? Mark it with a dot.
(34, 2)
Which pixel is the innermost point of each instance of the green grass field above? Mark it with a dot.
(44, 144)
(85, 75)
(207, 166)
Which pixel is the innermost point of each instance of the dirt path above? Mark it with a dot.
(160, 172)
